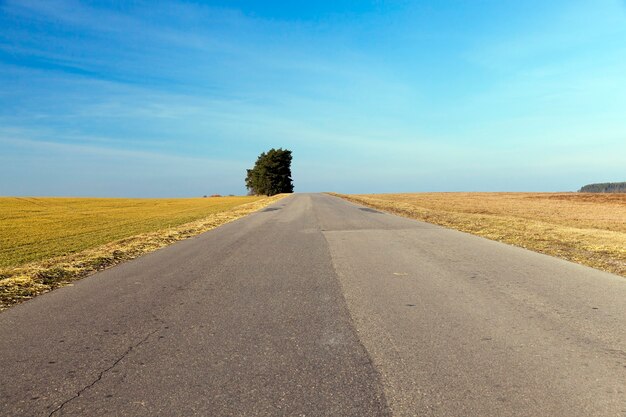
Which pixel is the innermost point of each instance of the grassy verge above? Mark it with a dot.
(589, 229)
(21, 280)
(35, 229)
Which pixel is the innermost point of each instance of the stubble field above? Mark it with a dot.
(589, 229)
(49, 242)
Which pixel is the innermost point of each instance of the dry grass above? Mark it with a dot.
(50, 242)
(586, 228)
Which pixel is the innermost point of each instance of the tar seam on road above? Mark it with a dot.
(384, 405)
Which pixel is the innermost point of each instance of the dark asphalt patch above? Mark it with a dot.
(369, 210)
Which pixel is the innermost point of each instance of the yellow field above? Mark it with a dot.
(586, 228)
(48, 242)
(34, 229)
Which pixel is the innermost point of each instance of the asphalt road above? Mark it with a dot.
(318, 307)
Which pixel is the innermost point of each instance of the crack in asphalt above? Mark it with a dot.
(117, 361)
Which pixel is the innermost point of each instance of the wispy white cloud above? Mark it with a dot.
(101, 147)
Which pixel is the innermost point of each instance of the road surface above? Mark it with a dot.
(319, 307)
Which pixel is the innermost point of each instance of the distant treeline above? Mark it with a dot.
(607, 187)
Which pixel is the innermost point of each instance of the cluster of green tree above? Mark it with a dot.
(607, 187)
(271, 173)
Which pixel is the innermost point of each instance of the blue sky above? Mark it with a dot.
(177, 98)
